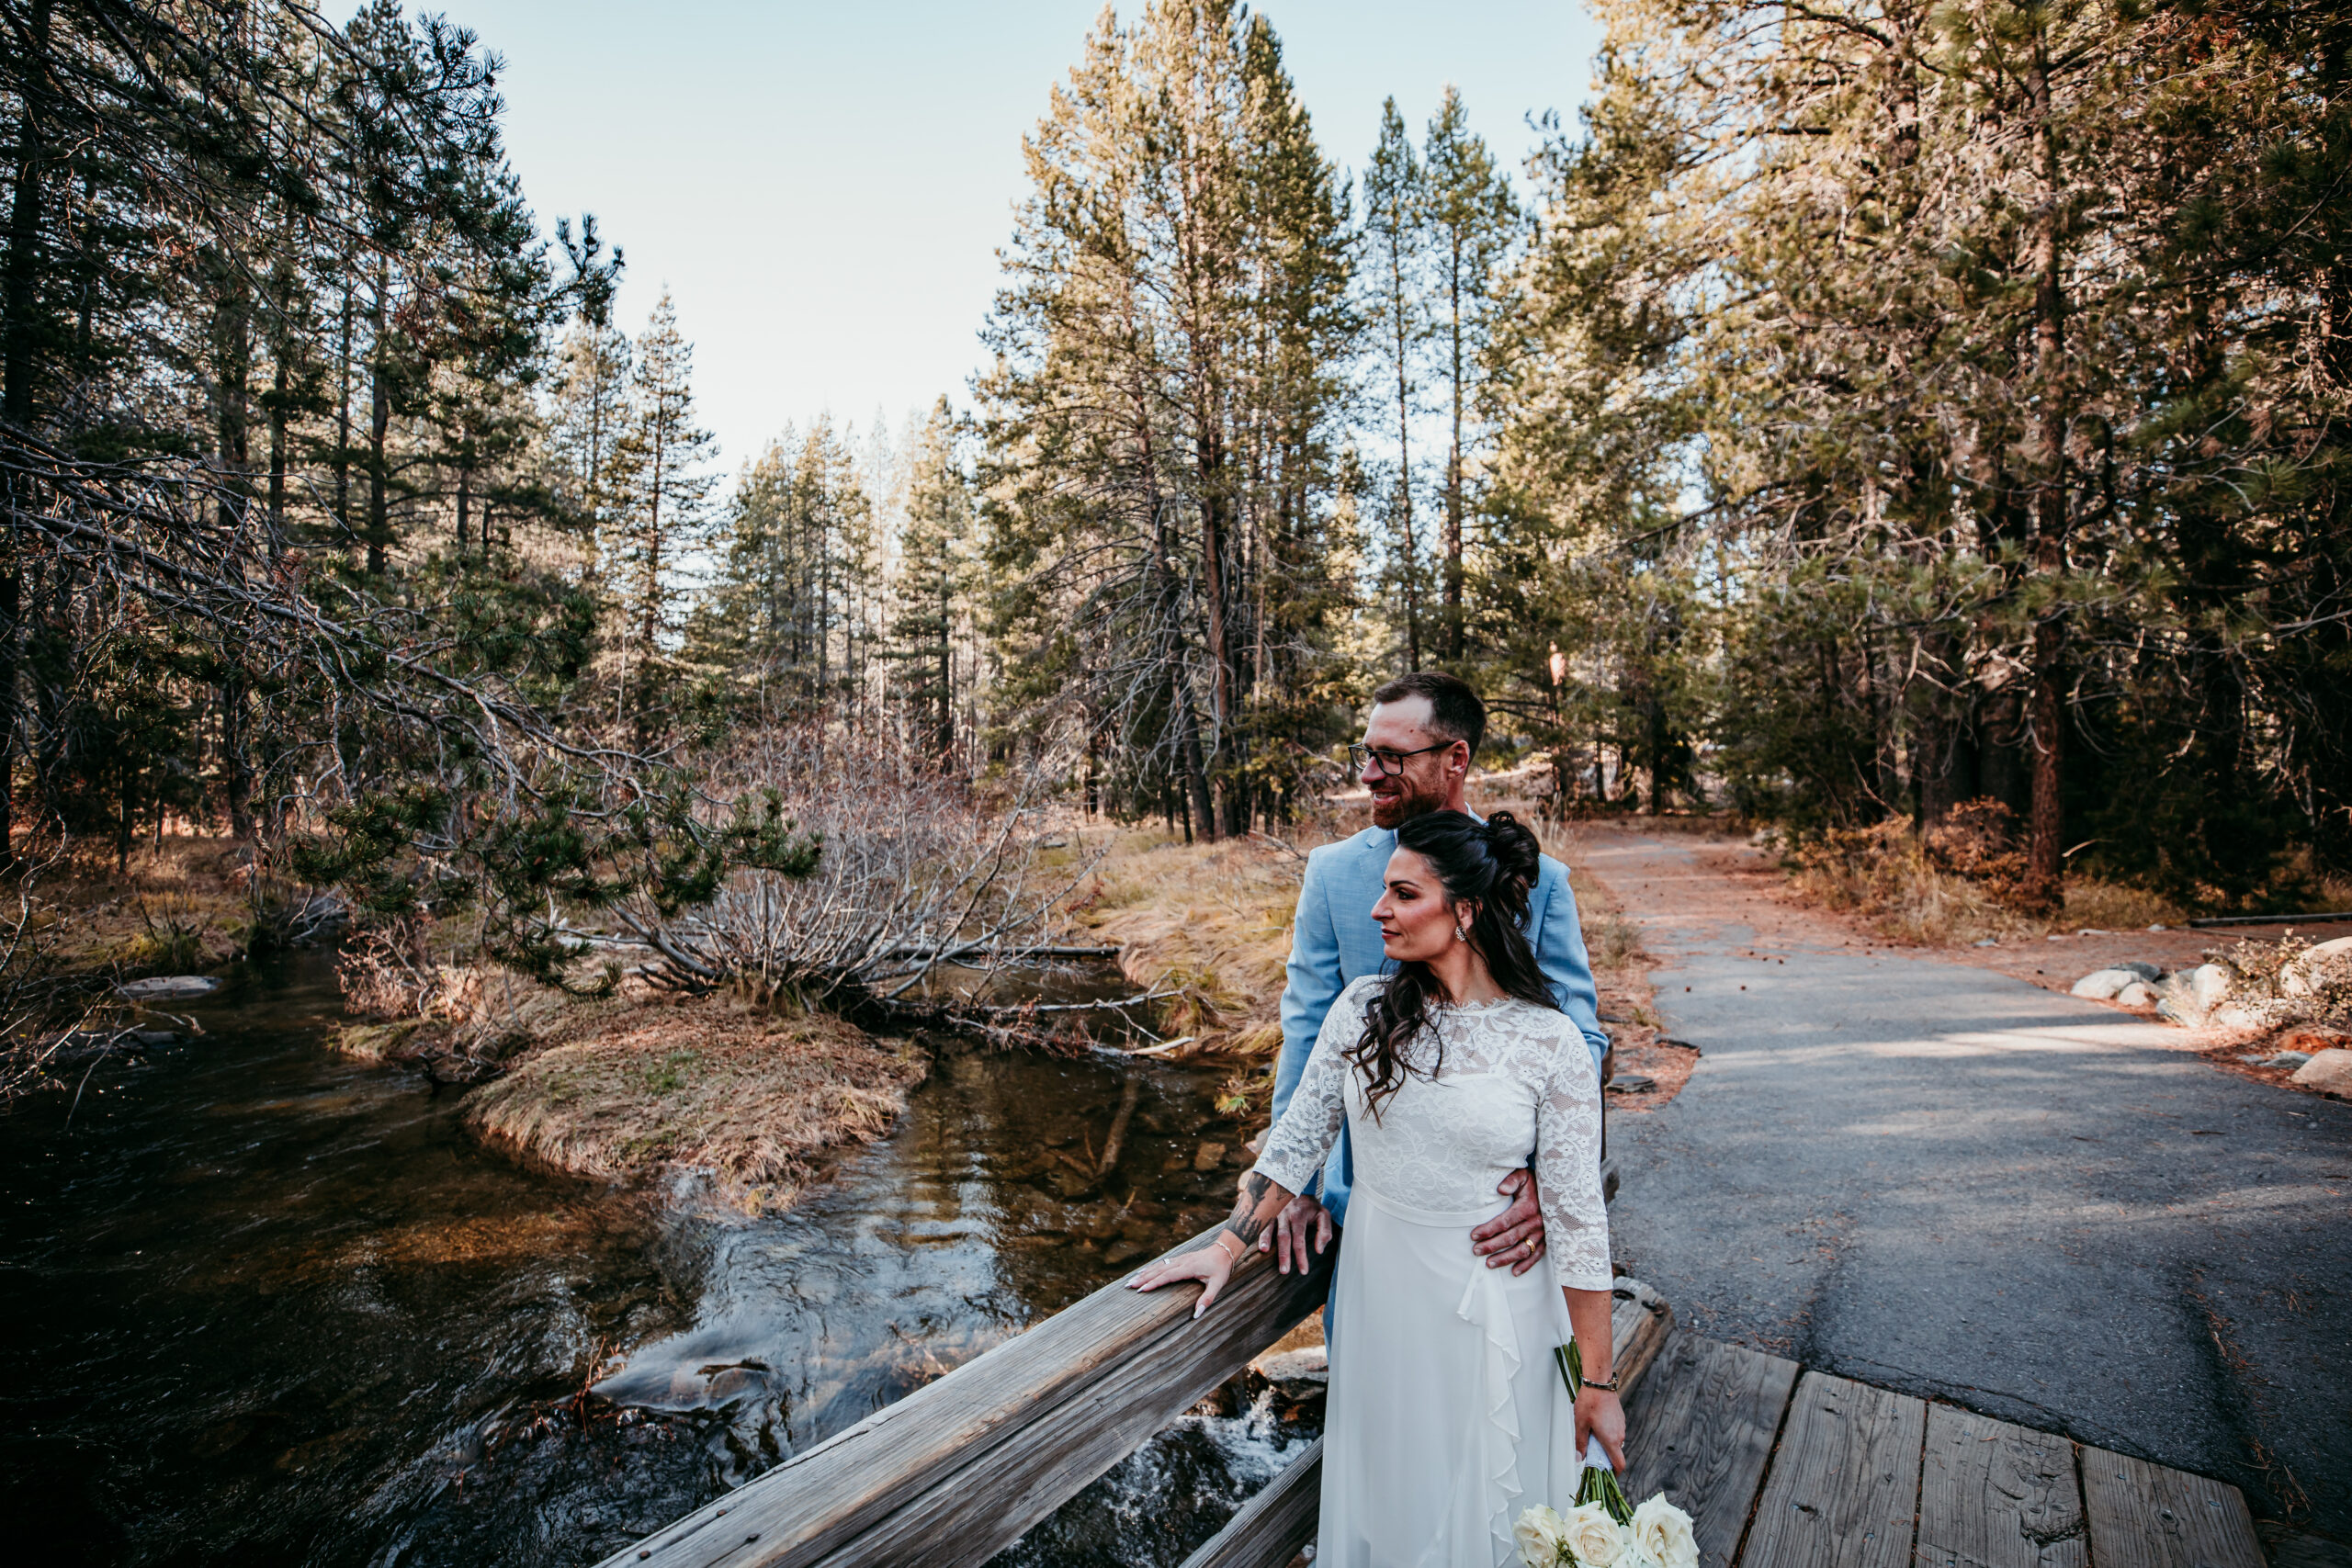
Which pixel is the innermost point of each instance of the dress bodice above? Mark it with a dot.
(1495, 1086)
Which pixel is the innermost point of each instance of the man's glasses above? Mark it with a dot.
(1384, 763)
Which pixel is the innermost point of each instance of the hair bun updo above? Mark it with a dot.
(1517, 856)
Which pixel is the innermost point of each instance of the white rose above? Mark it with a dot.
(1539, 1533)
(1662, 1534)
(1596, 1539)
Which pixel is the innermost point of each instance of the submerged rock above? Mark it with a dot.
(168, 989)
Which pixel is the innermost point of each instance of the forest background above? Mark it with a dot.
(1864, 414)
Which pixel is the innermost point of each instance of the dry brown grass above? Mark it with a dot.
(179, 906)
(1213, 919)
(638, 1087)
(1886, 877)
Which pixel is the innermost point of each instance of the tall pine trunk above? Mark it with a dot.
(2044, 884)
(20, 297)
(379, 423)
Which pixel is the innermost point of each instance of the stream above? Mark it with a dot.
(266, 1305)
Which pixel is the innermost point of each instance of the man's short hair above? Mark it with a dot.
(1455, 711)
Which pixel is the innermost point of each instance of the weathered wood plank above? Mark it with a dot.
(955, 1472)
(1272, 1525)
(1700, 1428)
(1995, 1495)
(1843, 1491)
(2145, 1516)
(1640, 1322)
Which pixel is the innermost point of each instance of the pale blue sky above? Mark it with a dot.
(824, 187)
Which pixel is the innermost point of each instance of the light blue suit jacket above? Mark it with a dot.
(1335, 939)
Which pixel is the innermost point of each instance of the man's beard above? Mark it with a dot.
(1408, 803)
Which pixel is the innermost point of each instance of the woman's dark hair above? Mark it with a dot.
(1491, 866)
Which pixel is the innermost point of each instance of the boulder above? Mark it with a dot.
(1310, 1364)
(2330, 1072)
(168, 989)
(2330, 959)
(2147, 972)
(2189, 996)
(2138, 994)
(2100, 985)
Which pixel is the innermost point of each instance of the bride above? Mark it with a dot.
(1447, 1415)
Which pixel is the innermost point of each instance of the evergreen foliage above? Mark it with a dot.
(1858, 411)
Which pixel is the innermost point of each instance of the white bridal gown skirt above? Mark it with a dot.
(1447, 1416)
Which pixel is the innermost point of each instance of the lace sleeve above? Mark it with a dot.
(1319, 1107)
(1568, 1167)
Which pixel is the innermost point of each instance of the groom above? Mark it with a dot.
(1415, 758)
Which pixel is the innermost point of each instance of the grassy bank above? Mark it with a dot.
(645, 1086)
(179, 905)
(634, 1089)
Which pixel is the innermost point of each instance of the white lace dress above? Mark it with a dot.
(1447, 1416)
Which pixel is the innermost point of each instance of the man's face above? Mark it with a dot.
(1421, 784)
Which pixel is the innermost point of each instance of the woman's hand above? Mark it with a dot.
(1212, 1265)
(1598, 1415)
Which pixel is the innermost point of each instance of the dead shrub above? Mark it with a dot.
(1885, 874)
(917, 878)
(1978, 841)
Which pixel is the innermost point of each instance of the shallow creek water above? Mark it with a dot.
(265, 1305)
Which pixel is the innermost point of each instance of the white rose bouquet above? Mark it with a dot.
(1603, 1531)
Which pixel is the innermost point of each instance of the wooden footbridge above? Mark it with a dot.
(1778, 1466)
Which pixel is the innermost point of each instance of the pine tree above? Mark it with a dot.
(1394, 199)
(663, 486)
(1160, 421)
(1471, 219)
(931, 606)
(588, 415)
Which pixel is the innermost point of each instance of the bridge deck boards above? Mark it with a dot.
(1701, 1425)
(1843, 1488)
(1779, 1470)
(1993, 1496)
(1859, 1475)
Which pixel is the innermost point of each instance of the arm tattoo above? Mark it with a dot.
(1245, 1221)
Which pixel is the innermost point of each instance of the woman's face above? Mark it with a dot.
(1416, 922)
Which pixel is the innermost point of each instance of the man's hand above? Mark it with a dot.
(1515, 1236)
(1287, 1235)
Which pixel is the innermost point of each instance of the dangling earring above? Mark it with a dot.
(1460, 934)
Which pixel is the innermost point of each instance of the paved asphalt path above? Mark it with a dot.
(1937, 1178)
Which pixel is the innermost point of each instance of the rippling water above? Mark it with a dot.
(265, 1305)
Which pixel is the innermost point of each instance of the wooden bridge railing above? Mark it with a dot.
(955, 1472)
(960, 1469)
